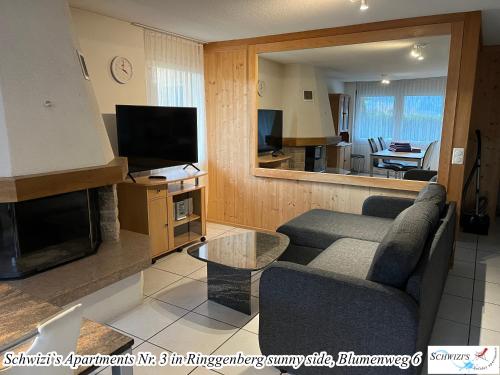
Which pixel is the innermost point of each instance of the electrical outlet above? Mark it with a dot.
(458, 156)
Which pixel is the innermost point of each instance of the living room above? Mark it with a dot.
(266, 185)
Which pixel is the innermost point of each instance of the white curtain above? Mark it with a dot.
(174, 77)
(404, 110)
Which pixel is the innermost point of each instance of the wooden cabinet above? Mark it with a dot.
(339, 156)
(149, 206)
(158, 226)
(340, 105)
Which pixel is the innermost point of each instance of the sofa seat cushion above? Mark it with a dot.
(320, 228)
(347, 256)
(403, 245)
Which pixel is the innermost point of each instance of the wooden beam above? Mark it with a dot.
(373, 26)
(21, 188)
(470, 50)
(371, 36)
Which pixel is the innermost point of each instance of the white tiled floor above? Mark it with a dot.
(470, 307)
(176, 315)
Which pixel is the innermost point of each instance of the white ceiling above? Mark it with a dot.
(368, 61)
(215, 20)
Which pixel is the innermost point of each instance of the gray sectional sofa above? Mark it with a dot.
(367, 283)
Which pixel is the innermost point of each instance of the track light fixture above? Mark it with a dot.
(417, 51)
(385, 80)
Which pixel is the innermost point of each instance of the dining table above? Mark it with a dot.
(393, 155)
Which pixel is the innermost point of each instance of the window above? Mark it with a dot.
(378, 111)
(409, 110)
(422, 118)
(174, 77)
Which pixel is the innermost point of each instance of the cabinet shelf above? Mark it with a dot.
(186, 237)
(186, 220)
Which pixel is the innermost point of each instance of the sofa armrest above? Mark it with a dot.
(386, 207)
(305, 310)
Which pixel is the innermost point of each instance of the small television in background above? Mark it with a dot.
(156, 137)
(270, 123)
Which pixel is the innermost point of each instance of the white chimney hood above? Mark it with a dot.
(49, 118)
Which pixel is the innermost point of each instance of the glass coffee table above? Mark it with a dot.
(232, 259)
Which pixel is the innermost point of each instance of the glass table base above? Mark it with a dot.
(230, 287)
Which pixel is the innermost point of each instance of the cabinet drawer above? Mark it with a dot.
(160, 192)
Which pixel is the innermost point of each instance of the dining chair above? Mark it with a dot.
(59, 334)
(419, 174)
(382, 165)
(383, 145)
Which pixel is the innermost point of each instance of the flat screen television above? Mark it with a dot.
(270, 122)
(156, 137)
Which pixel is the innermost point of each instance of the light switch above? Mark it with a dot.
(458, 156)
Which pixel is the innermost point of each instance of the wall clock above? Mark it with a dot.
(121, 69)
(261, 88)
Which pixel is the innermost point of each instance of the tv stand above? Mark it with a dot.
(191, 165)
(149, 207)
(275, 162)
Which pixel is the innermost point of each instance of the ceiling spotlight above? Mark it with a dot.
(385, 80)
(416, 51)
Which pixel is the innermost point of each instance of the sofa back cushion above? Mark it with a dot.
(401, 248)
(433, 193)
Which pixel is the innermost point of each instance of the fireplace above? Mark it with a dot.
(42, 233)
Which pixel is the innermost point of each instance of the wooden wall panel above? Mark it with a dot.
(235, 195)
(238, 197)
(486, 117)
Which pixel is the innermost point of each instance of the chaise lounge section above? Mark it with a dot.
(367, 283)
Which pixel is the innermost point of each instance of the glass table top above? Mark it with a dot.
(248, 250)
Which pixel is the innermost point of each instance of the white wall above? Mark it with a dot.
(273, 74)
(101, 39)
(5, 167)
(335, 86)
(39, 62)
(284, 87)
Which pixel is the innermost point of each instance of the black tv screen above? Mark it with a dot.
(156, 137)
(270, 130)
